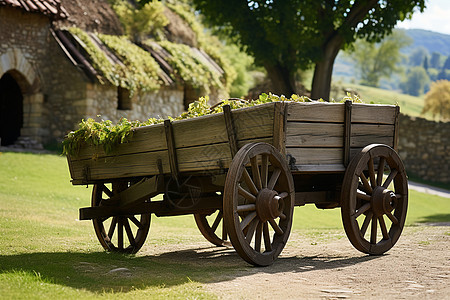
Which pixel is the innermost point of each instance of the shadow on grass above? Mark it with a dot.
(99, 272)
(437, 218)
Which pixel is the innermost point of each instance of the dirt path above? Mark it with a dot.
(329, 268)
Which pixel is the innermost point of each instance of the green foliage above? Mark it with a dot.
(190, 67)
(110, 71)
(379, 60)
(242, 64)
(417, 56)
(207, 42)
(109, 135)
(291, 35)
(437, 100)
(415, 81)
(148, 19)
(139, 70)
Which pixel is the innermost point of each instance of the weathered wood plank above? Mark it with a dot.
(316, 112)
(299, 134)
(193, 159)
(279, 126)
(366, 134)
(316, 156)
(373, 113)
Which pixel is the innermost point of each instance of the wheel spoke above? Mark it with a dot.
(107, 191)
(275, 227)
(362, 196)
(373, 232)
(136, 222)
(282, 216)
(255, 172)
(248, 180)
(112, 227)
(251, 230)
(366, 223)
(217, 221)
(380, 171)
(391, 217)
(247, 220)
(120, 234)
(246, 207)
(246, 195)
(366, 184)
(224, 233)
(391, 177)
(129, 233)
(264, 170)
(258, 237)
(266, 234)
(274, 178)
(372, 173)
(361, 210)
(282, 195)
(383, 228)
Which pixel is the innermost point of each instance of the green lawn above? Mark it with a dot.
(45, 252)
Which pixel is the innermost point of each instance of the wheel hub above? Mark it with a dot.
(268, 205)
(383, 201)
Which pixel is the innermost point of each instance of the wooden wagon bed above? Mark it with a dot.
(315, 136)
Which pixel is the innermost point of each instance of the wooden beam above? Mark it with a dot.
(160, 208)
(279, 126)
(397, 116)
(173, 162)
(347, 131)
(231, 131)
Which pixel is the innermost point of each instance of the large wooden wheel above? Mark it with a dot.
(374, 194)
(212, 227)
(258, 203)
(124, 234)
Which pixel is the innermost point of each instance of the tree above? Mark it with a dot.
(379, 60)
(415, 81)
(437, 100)
(446, 64)
(285, 36)
(435, 61)
(416, 58)
(425, 63)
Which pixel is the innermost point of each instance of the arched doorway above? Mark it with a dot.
(11, 109)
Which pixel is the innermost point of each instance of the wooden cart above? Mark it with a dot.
(241, 172)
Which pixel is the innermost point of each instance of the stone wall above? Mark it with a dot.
(424, 147)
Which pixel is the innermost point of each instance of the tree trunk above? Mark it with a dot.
(282, 79)
(323, 70)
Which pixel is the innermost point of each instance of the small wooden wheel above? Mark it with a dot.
(374, 192)
(258, 203)
(114, 240)
(212, 226)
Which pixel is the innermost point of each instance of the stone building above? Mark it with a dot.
(49, 79)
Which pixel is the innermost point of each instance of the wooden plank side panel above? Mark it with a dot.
(252, 122)
(373, 113)
(316, 112)
(299, 134)
(366, 134)
(192, 159)
(316, 156)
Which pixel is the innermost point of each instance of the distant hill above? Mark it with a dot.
(430, 40)
(345, 69)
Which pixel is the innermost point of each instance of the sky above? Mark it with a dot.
(436, 17)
